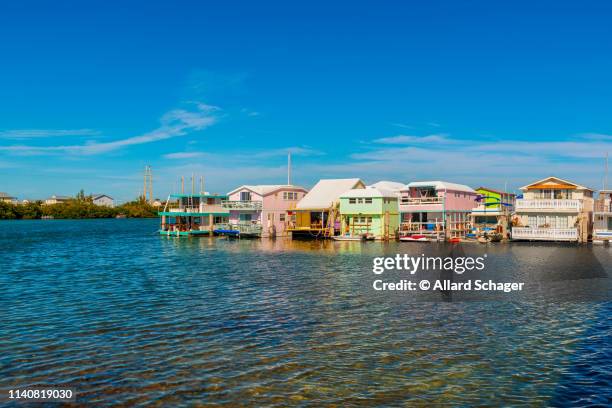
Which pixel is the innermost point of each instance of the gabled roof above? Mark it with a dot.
(553, 182)
(96, 196)
(441, 185)
(494, 191)
(388, 185)
(265, 189)
(326, 192)
(369, 191)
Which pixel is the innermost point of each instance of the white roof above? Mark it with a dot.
(326, 192)
(369, 191)
(441, 185)
(388, 185)
(263, 189)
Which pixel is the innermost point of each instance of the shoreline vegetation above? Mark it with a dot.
(77, 208)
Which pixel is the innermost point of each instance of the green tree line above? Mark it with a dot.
(81, 207)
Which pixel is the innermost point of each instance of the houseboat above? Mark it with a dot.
(370, 212)
(602, 217)
(261, 210)
(492, 216)
(186, 215)
(435, 210)
(553, 209)
(317, 214)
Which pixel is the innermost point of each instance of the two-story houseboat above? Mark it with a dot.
(261, 210)
(370, 212)
(193, 214)
(435, 209)
(553, 209)
(493, 212)
(317, 214)
(602, 217)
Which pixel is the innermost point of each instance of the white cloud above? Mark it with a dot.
(42, 133)
(176, 122)
(183, 155)
(405, 139)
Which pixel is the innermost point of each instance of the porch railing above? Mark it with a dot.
(421, 200)
(548, 204)
(545, 234)
(242, 205)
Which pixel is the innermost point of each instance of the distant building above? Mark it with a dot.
(103, 200)
(55, 199)
(157, 203)
(5, 198)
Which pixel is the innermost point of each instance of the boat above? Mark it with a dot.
(348, 238)
(414, 238)
(454, 240)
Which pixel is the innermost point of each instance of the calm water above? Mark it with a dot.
(129, 317)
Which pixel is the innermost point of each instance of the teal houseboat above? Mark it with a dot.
(194, 214)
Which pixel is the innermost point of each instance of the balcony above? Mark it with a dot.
(603, 207)
(421, 200)
(549, 205)
(242, 205)
(545, 234)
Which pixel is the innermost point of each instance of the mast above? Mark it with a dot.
(289, 168)
(605, 182)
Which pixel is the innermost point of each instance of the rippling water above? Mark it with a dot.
(129, 317)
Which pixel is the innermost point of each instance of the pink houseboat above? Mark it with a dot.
(436, 209)
(261, 210)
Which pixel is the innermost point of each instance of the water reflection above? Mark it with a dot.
(130, 318)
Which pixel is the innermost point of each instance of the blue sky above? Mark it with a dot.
(475, 92)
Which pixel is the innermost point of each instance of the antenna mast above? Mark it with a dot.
(289, 168)
(147, 188)
(605, 183)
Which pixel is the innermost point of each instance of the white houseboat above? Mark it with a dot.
(602, 218)
(553, 209)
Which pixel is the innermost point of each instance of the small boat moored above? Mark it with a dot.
(414, 238)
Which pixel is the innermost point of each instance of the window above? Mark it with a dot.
(561, 222)
(245, 196)
(290, 195)
(360, 201)
(282, 217)
(245, 217)
(368, 200)
(352, 200)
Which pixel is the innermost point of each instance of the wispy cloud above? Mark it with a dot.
(43, 133)
(183, 155)
(177, 122)
(405, 139)
(402, 125)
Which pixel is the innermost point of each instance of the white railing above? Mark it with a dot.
(548, 204)
(185, 209)
(597, 232)
(545, 234)
(421, 200)
(242, 205)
